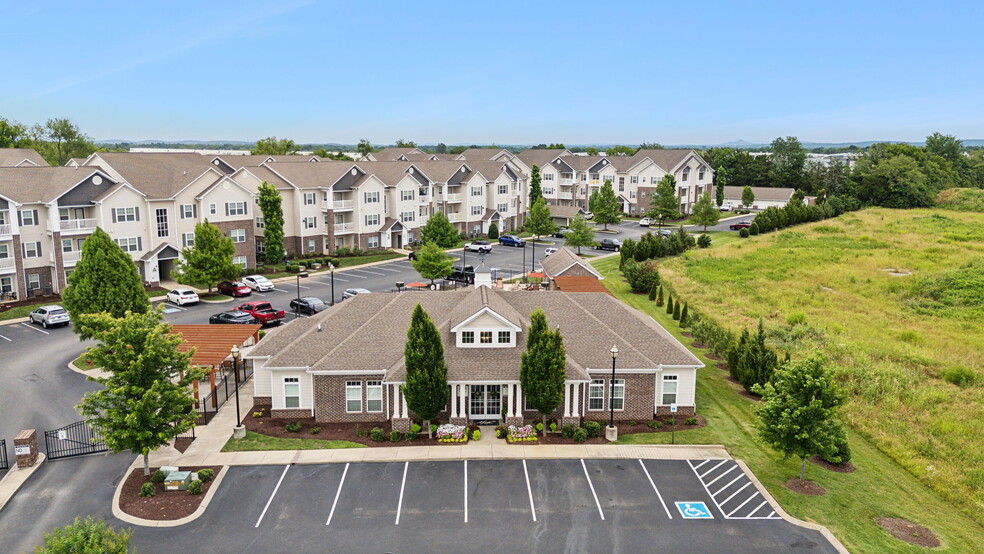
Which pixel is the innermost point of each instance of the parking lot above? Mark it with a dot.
(489, 505)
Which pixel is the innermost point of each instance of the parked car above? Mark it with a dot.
(588, 215)
(462, 274)
(740, 225)
(258, 283)
(182, 297)
(308, 305)
(549, 251)
(263, 312)
(666, 232)
(49, 316)
(724, 208)
(511, 240)
(233, 317)
(350, 293)
(480, 246)
(562, 232)
(609, 244)
(645, 222)
(234, 288)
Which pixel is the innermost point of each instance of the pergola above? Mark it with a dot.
(212, 344)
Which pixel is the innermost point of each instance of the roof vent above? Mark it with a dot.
(96, 180)
(462, 169)
(355, 171)
(410, 171)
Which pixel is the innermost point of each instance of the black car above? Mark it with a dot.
(462, 274)
(561, 233)
(308, 305)
(233, 317)
(609, 244)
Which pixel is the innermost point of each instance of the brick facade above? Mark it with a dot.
(21, 285)
(640, 391)
(644, 199)
(45, 273)
(291, 413)
(329, 399)
(259, 401)
(247, 248)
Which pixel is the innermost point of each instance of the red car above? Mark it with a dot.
(263, 312)
(234, 288)
(740, 225)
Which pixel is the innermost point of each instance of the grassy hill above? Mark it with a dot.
(964, 200)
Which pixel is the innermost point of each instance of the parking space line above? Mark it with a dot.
(658, 495)
(337, 494)
(34, 329)
(390, 269)
(732, 494)
(402, 486)
(712, 469)
(585, 468)
(529, 490)
(727, 471)
(742, 505)
(5, 338)
(275, 489)
(732, 482)
(279, 290)
(466, 491)
(750, 514)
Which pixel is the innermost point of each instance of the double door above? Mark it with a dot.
(485, 402)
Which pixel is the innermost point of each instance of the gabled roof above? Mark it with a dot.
(392, 154)
(579, 283)
(484, 154)
(311, 175)
(667, 158)
(43, 184)
(583, 163)
(541, 157)
(158, 175)
(390, 173)
(440, 171)
(418, 157)
(21, 157)
(565, 211)
(212, 343)
(562, 260)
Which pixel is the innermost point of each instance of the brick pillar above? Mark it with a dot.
(26, 440)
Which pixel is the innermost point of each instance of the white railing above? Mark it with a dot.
(452, 197)
(72, 256)
(344, 228)
(454, 216)
(6, 229)
(7, 263)
(565, 195)
(567, 181)
(343, 205)
(77, 224)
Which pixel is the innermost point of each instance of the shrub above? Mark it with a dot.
(376, 434)
(501, 432)
(539, 426)
(704, 241)
(961, 376)
(493, 231)
(568, 431)
(676, 310)
(754, 229)
(684, 316)
(147, 490)
(796, 318)
(315, 430)
(641, 276)
(88, 535)
(395, 436)
(293, 427)
(580, 435)
(206, 475)
(414, 430)
(553, 426)
(158, 477)
(652, 293)
(841, 453)
(592, 428)
(476, 434)
(659, 297)
(690, 421)
(669, 422)
(343, 251)
(743, 233)
(195, 487)
(654, 424)
(633, 423)
(433, 428)
(669, 303)
(257, 414)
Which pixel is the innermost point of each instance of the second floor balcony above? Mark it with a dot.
(342, 228)
(340, 205)
(77, 225)
(6, 230)
(7, 265)
(453, 197)
(454, 216)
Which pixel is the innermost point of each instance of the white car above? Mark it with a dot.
(645, 222)
(588, 215)
(549, 251)
(258, 283)
(182, 297)
(49, 315)
(480, 246)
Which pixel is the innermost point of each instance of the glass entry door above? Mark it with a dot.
(486, 401)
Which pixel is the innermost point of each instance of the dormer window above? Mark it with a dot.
(505, 337)
(486, 337)
(468, 337)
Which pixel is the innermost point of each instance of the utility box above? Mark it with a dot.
(177, 481)
(169, 470)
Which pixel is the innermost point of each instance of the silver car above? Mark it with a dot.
(49, 316)
(258, 283)
(350, 293)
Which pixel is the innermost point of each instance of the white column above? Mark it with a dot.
(520, 400)
(454, 400)
(395, 399)
(465, 396)
(404, 412)
(513, 399)
(574, 411)
(567, 399)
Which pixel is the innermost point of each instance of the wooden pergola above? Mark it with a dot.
(213, 345)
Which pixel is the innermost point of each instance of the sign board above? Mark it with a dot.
(672, 408)
(62, 435)
(22, 450)
(694, 510)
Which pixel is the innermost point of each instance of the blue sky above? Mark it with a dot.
(505, 72)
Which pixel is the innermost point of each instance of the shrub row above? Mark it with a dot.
(652, 246)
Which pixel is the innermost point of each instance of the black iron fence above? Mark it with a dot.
(215, 396)
(3, 455)
(76, 439)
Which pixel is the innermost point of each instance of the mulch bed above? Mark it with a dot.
(182, 443)
(741, 390)
(700, 345)
(165, 505)
(803, 486)
(909, 532)
(274, 427)
(839, 468)
(713, 356)
(723, 366)
(686, 333)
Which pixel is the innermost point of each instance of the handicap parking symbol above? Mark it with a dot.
(694, 510)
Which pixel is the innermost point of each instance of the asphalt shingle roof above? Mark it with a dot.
(158, 175)
(10, 157)
(29, 184)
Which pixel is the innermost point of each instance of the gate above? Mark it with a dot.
(76, 439)
(3, 455)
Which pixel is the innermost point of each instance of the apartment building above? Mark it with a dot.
(21, 157)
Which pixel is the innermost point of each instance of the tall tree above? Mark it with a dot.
(541, 367)
(105, 280)
(608, 210)
(650, 146)
(747, 196)
(787, 161)
(593, 201)
(60, 139)
(619, 150)
(799, 413)
(947, 147)
(271, 206)
(665, 204)
(721, 180)
(400, 143)
(364, 148)
(13, 134)
(272, 146)
(535, 190)
(440, 231)
(209, 260)
(441, 148)
(426, 389)
(704, 211)
(538, 220)
(432, 262)
(147, 399)
(579, 234)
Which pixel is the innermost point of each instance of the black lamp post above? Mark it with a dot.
(611, 390)
(297, 306)
(331, 269)
(235, 371)
(524, 262)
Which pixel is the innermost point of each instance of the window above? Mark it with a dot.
(468, 337)
(32, 249)
(374, 396)
(548, 176)
(372, 219)
(476, 191)
(596, 395)
(235, 208)
(308, 198)
(505, 337)
(407, 216)
(503, 189)
(238, 235)
(548, 190)
(6, 284)
(477, 210)
(632, 195)
(621, 180)
(66, 246)
(211, 209)
(584, 176)
(188, 240)
(621, 187)
(618, 394)
(371, 197)
(485, 337)
(594, 176)
(124, 214)
(261, 248)
(161, 216)
(310, 222)
(240, 261)
(311, 245)
(63, 214)
(405, 195)
(33, 281)
(700, 175)
(188, 211)
(502, 208)
(259, 223)
(686, 175)
(353, 396)
(669, 389)
(634, 180)
(5, 253)
(292, 392)
(129, 244)
(372, 242)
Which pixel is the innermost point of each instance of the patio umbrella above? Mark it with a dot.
(537, 275)
(417, 285)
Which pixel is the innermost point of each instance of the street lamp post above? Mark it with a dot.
(297, 306)
(611, 433)
(331, 269)
(524, 262)
(239, 431)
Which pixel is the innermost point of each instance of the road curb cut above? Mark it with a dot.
(133, 520)
(15, 478)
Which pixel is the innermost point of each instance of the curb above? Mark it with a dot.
(14, 321)
(203, 301)
(16, 477)
(779, 510)
(133, 520)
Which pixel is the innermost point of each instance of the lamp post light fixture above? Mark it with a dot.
(611, 433)
(239, 432)
(399, 286)
(297, 306)
(331, 269)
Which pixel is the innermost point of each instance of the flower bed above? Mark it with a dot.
(521, 434)
(452, 433)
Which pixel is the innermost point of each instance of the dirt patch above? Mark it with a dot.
(165, 505)
(909, 532)
(700, 345)
(713, 356)
(741, 389)
(182, 443)
(723, 366)
(839, 468)
(687, 334)
(802, 486)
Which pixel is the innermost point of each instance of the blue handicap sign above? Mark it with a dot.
(694, 510)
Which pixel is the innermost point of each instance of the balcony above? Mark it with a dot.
(343, 228)
(454, 216)
(565, 195)
(71, 257)
(6, 230)
(340, 205)
(452, 197)
(77, 226)
(7, 265)
(567, 181)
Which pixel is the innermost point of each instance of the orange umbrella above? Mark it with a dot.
(537, 275)
(417, 285)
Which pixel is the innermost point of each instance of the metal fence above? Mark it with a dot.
(3, 455)
(76, 439)
(225, 387)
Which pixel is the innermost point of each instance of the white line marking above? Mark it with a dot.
(732, 482)
(733, 494)
(772, 514)
(275, 489)
(700, 464)
(723, 474)
(173, 306)
(5, 338)
(712, 469)
(337, 494)
(701, 481)
(390, 269)
(660, 496)
(280, 290)
(749, 516)
(35, 329)
(601, 513)
(740, 506)
(402, 485)
(371, 272)
(466, 491)
(529, 490)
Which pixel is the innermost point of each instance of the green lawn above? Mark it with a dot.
(82, 363)
(19, 311)
(256, 441)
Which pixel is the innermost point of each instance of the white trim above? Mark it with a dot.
(346, 373)
(585, 266)
(620, 370)
(485, 310)
(283, 390)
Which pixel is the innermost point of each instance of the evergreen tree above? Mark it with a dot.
(659, 297)
(147, 399)
(593, 202)
(426, 389)
(669, 303)
(652, 292)
(751, 361)
(209, 260)
(704, 212)
(799, 414)
(440, 231)
(580, 234)
(493, 230)
(271, 206)
(665, 204)
(432, 262)
(541, 369)
(721, 178)
(607, 209)
(684, 316)
(105, 280)
(747, 196)
(676, 310)
(535, 191)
